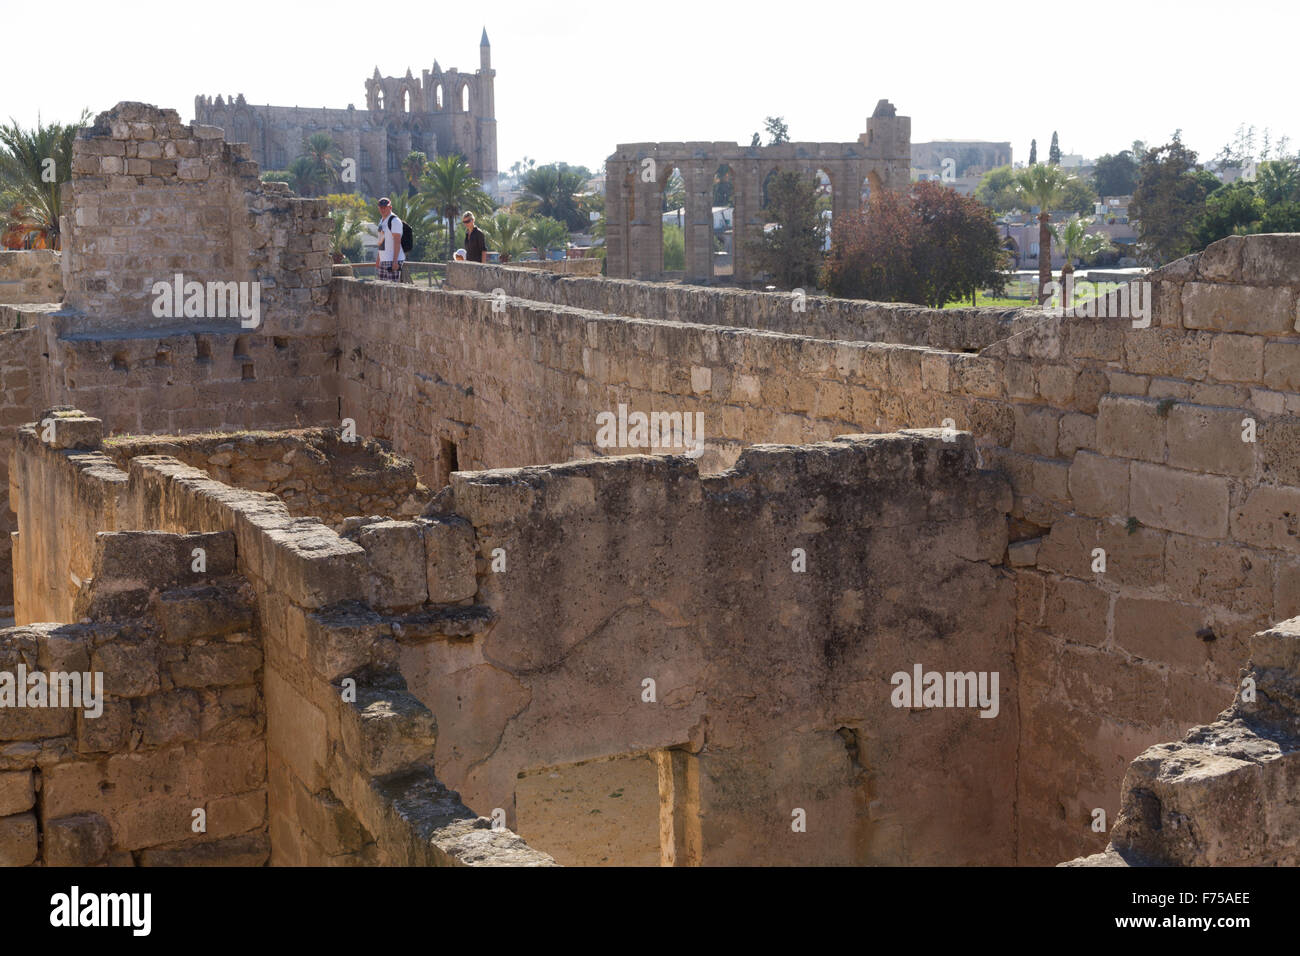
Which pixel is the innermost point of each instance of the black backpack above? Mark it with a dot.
(408, 237)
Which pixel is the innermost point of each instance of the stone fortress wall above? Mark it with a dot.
(1083, 434)
(1114, 437)
(30, 276)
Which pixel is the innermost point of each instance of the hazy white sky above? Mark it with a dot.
(576, 78)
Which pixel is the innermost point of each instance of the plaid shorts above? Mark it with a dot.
(387, 271)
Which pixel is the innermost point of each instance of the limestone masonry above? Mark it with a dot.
(364, 588)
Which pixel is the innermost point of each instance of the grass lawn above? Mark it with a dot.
(984, 301)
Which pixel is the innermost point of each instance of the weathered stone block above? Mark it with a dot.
(208, 665)
(18, 839)
(1056, 383)
(295, 730)
(449, 548)
(16, 793)
(1075, 610)
(200, 613)
(130, 669)
(1237, 358)
(1269, 518)
(1237, 308)
(1099, 485)
(1203, 438)
(387, 730)
(395, 554)
(1036, 430)
(252, 849)
(1219, 573)
(343, 641)
(72, 431)
(1271, 259)
(1282, 365)
(1131, 428)
(1179, 500)
(1076, 431)
(83, 839)
(1279, 446)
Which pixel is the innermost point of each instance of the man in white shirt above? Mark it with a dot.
(390, 242)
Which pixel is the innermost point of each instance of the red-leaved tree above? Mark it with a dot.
(929, 245)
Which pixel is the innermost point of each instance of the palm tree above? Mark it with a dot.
(304, 176)
(1077, 243)
(508, 233)
(1043, 186)
(546, 233)
(550, 191)
(412, 169)
(325, 159)
(1278, 181)
(30, 182)
(450, 188)
(347, 234)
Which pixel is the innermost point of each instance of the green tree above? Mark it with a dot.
(588, 203)
(545, 233)
(1043, 186)
(553, 192)
(413, 168)
(1033, 152)
(724, 191)
(1054, 151)
(350, 213)
(352, 204)
(929, 246)
(449, 188)
(508, 233)
(1232, 210)
(674, 192)
(1278, 181)
(1080, 198)
(792, 252)
(1077, 242)
(301, 176)
(1115, 175)
(345, 241)
(997, 190)
(582, 172)
(326, 161)
(33, 165)
(1282, 217)
(674, 249)
(777, 131)
(1168, 202)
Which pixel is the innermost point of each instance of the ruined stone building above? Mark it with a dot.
(637, 174)
(439, 113)
(365, 584)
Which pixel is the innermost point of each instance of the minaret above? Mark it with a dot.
(486, 117)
